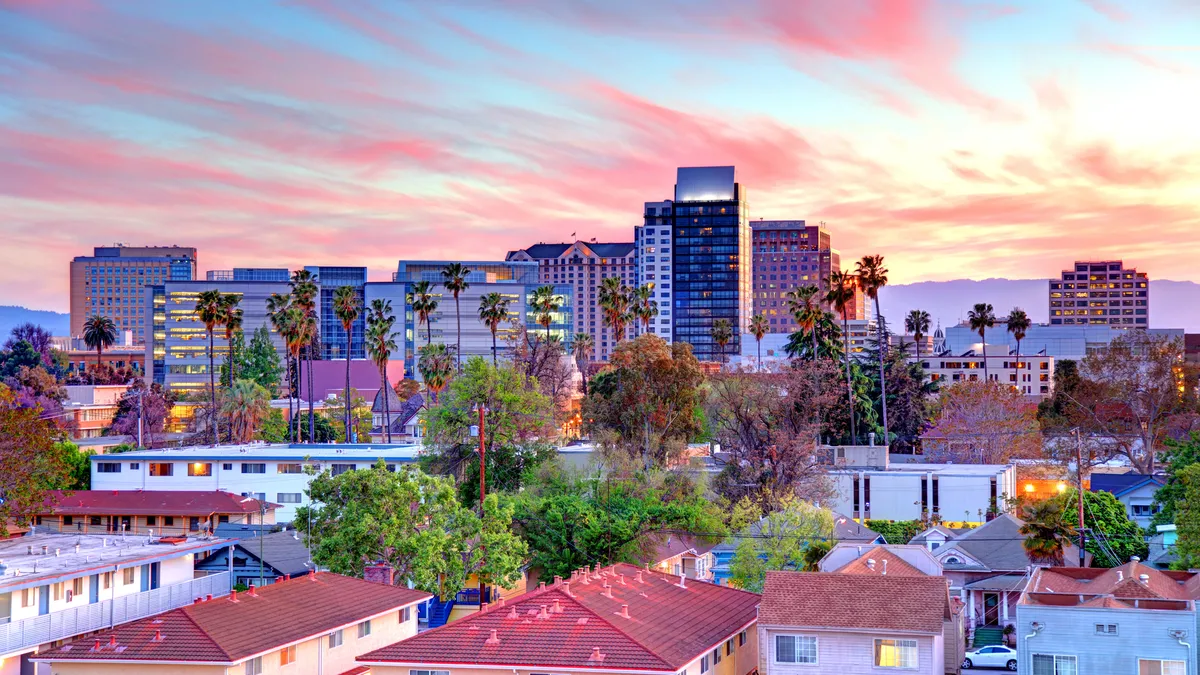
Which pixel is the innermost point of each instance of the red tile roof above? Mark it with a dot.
(851, 601)
(668, 626)
(228, 630)
(895, 565)
(1085, 585)
(149, 502)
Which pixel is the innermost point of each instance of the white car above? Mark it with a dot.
(994, 656)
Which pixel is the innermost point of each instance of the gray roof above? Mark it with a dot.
(1160, 555)
(949, 532)
(281, 551)
(1004, 582)
(393, 400)
(999, 546)
(604, 250)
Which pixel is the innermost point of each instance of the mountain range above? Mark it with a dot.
(55, 322)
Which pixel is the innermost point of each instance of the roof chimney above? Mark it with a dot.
(622, 578)
(112, 640)
(607, 591)
(567, 589)
(197, 601)
(543, 614)
(624, 613)
(596, 656)
(871, 564)
(500, 602)
(884, 566)
(208, 597)
(493, 640)
(638, 578)
(96, 647)
(557, 580)
(1135, 559)
(541, 585)
(379, 572)
(287, 577)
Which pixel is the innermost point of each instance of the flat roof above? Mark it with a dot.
(276, 451)
(940, 469)
(96, 553)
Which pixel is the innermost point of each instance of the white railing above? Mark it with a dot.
(38, 630)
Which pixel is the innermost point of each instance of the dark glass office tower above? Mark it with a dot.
(711, 258)
(333, 335)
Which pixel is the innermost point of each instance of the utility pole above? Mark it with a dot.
(140, 416)
(482, 494)
(262, 516)
(1079, 479)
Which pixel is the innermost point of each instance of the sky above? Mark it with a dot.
(960, 139)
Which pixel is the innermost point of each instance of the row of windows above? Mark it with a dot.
(802, 649)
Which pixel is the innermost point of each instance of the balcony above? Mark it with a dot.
(27, 633)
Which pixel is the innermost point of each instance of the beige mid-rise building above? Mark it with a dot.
(110, 283)
(1104, 292)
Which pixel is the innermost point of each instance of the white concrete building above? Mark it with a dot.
(652, 241)
(1032, 374)
(58, 586)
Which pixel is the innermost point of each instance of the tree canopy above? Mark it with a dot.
(781, 544)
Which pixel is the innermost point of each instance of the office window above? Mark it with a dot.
(108, 467)
(796, 649)
(199, 469)
(250, 467)
(1157, 667)
(1055, 664)
(288, 497)
(896, 653)
(127, 575)
(254, 666)
(162, 469)
(335, 639)
(364, 629)
(287, 655)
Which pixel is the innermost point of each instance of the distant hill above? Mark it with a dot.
(56, 323)
(1173, 304)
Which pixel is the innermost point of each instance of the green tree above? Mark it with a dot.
(381, 342)
(259, 361)
(917, 325)
(517, 423)
(412, 521)
(437, 367)
(285, 319)
(759, 328)
(806, 305)
(843, 289)
(424, 303)
(323, 430)
(210, 309)
(99, 332)
(246, 405)
(347, 307)
(454, 279)
(493, 311)
(1018, 323)
(872, 276)
(981, 318)
(1179, 455)
(231, 319)
(582, 346)
(544, 303)
(274, 428)
(780, 543)
(896, 531)
(306, 332)
(1112, 538)
(722, 334)
(29, 461)
(1047, 529)
(1187, 519)
(359, 415)
(79, 467)
(614, 301)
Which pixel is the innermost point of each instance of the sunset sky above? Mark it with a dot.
(958, 139)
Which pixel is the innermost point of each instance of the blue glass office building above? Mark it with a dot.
(333, 335)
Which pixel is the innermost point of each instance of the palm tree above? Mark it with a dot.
(424, 304)
(1046, 529)
(436, 366)
(722, 333)
(1018, 323)
(917, 325)
(872, 276)
(454, 277)
(246, 404)
(99, 332)
(493, 311)
(805, 305)
(347, 307)
(231, 318)
(759, 328)
(282, 316)
(842, 291)
(614, 300)
(643, 305)
(982, 318)
(210, 309)
(582, 345)
(381, 342)
(545, 303)
(304, 297)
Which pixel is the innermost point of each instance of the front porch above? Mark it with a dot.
(990, 606)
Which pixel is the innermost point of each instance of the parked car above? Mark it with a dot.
(994, 656)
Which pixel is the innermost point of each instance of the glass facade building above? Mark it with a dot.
(250, 274)
(333, 334)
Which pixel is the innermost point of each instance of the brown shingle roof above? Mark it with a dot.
(866, 602)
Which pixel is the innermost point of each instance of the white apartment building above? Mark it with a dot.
(653, 243)
(1032, 374)
(59, 586)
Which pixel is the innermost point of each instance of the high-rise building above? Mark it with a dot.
(333, 334)
(789, 254)
(514, 280)
(110, 283)
(652, 241)
(582, 266)
(711, 259)
(1101, 293)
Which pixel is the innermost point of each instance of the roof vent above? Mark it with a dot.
(543, 614)
(112, 640)
(1120, 575)
(607, 591)
(558, 608)
(624, 613)
(871, 564)
(252, 592)
(233, 595)
(596, 656)
(1134, 559)
(157, 636)
(567, 589)
(639, 578)
(512, 614)
(884, 566)
(682, 581)
(1144, 578)
(500, 602)
(581, 621)
(493, 640)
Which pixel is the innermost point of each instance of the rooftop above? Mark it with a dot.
(917, 604)
(286, 451)
(154, 503)
(879, 561)
(621, 617)
(995, 546)
(948, 469)
(1133, 585)
(41, 557)
(218, 631)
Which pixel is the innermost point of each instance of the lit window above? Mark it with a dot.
(896, 653)
(287, 655)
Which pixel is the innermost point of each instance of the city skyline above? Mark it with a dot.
(958, 139)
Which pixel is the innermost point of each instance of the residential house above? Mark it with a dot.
(908, 561)
(156, 512)
(689, 556)
(404, 416)
(59, 586)
(844, 530)
(988, 568)
(936, 535)
(260, 556)
(1128, 619)
(617, 619)
(320, 622)
(1135, 491)
(821, 622)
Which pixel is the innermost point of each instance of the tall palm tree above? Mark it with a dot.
(722, 334)
(231, 318)
(545, 303)
(805, 305)
(304, 297)
(643, 305)
(759, 328)
(454, 279)
(872, 276)
(1018, 323)
(347, 307)
(246, 405)
(614, 300)
(843, 288)
(436, 365)
(582, 345)
(99, 332)
(493, 311)
(916, 324)
(281, 314)
(210, 309)
(1046, 528)
(381, 342)
(424, 304)
(982, 318)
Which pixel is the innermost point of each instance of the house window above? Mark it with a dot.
(108, 467)
(728, 647)
(77, 587)
(405, 614)
(742, 638)
(289, 468)
(168, 521)
(68, 521)
(254, 666)
(227, 466)
(106, 580)
(896, 653)
(151, 521)
(250, 467)
(134, 466)
(199, 469)
(128, 574)
(162, 469)
(1142, 510)
(1055, 664)
(288, 497)
(703, 664)
(796, 649)
(1156, 667)
(1106, 629)
(428, 672)
(287, 655)
(716, 656)
(339, 469)
(28, 597)
(364, 629)
(335, 639)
